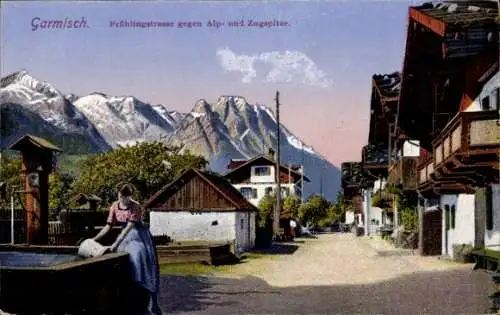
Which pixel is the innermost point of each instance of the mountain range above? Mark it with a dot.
(229, 128)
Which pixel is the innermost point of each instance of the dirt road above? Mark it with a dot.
(336, 273)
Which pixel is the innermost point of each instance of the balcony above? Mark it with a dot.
(404, 173)
(375, 160)
(465, 154)
(354, 177)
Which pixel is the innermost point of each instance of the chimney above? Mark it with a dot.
(272, 154)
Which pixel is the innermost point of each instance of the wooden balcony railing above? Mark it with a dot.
(424, 172)
(465, 153)
(468, 133)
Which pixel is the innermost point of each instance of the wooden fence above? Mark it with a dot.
(19, 226)
(78, 224)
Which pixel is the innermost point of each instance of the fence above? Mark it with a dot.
(74, 225)
(19, 226)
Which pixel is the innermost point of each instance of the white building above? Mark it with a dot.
(256, 178)
(203, 206)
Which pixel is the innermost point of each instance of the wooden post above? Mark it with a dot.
(277, 210)
(37, 159)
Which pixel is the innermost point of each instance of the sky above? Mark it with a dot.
(321, 58)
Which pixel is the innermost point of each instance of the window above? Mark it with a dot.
(447, 217)
(262, 171)
(248, 192)
(285, 191)
(495, 99)
(268, 191)
(489, 209)
(242, 222)
(485, 103)
(452, 217)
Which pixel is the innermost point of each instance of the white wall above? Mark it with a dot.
(379, 184)
(464, 231)
(488, 88)
(245, 231)
(261, 190)
(492, 238)
(262, 179)
(446, 200)
(375, 214)
(411, 148)
(184, 226)
(349, 217)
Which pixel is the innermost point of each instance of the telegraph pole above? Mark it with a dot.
(302, 175)
(277, 208)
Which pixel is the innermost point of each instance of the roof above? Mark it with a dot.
(269, 160)
(219, 183)
(383, 105)
(235, 163)
(455, 14)
(88, 197)
(387, 85)
(31, 140)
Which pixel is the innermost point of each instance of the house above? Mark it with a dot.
(353, 182)
(203, 206)
(256, 178)
(377, 155)
(450, 65)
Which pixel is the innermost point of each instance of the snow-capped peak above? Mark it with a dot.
(239, 101)
(26, 80)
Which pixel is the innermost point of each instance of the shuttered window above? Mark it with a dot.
(489, 209)
(447, 217)
(452, 217)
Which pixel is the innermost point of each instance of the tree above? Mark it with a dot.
(59, 190)
(148, 166)
(10, 173)
(314, 210)
(343, 204)
(264, 229)
(292, 204)
(266, 206)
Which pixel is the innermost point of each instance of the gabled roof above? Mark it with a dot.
(219, 183)
(31, 140)
(254, 160)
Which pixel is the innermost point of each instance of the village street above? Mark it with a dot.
(335, 273)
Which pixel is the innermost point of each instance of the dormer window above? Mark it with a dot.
(262, 171)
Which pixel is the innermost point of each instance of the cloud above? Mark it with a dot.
(284, 67)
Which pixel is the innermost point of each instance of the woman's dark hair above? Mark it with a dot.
(126, 190)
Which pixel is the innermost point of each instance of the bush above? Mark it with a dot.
(409, 217)
(463, 253)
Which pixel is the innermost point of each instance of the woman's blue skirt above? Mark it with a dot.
(138, 243)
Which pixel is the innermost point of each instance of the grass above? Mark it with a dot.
(199, 269)
(192, 269)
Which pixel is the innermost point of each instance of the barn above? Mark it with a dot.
(202, 206)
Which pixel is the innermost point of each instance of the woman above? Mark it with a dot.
(136, 240)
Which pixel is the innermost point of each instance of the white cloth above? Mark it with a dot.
(293, 224)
